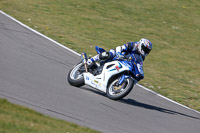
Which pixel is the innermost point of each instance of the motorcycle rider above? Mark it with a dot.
(141, 48)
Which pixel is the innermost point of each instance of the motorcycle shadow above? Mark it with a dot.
(152, 107)
(140, 104)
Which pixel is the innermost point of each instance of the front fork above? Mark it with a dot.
(123, 77)
(84, 60)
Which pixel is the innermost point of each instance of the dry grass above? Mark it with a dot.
(171, 69)
(17, 119)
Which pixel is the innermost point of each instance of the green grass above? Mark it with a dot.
(17, 119)
(173, 26)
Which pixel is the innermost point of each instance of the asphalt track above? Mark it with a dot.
(33, 73)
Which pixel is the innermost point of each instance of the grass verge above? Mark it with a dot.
(17, 119)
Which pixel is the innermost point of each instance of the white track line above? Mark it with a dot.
(79, 55)
(38, 32)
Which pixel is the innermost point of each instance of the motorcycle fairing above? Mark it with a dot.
(101, 81)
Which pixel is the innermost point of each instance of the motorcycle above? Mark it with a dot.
(116, 78)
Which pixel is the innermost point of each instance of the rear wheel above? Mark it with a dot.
(75, 75)
(117, 92)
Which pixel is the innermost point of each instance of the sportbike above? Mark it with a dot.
(116, 78)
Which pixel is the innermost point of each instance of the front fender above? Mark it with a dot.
(125, 73)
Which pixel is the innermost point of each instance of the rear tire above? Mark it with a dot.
(116, 94)
(75, 76)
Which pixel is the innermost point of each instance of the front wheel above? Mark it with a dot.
(116, 92)
(75, 75)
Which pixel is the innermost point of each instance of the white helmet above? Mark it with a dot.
(144, 47)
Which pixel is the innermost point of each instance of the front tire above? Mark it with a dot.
(75, 75)
(118, 92)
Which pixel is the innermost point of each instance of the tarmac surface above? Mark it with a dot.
(33, 73)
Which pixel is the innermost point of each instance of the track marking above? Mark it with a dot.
(39, 33)
(80, 55)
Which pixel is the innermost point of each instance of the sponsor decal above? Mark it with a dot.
(112, 69)
(140, 68)
(127, 65)
(87, 78)
(93, 83)
(117, 67)
(120, 66)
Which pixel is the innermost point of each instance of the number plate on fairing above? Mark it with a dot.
(140, 68)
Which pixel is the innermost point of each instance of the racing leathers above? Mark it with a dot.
(121, 52)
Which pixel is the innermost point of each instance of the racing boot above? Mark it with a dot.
(104, 56)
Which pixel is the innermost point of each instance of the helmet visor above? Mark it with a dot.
(145, 49)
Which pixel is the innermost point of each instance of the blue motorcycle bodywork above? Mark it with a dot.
(134, 63)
